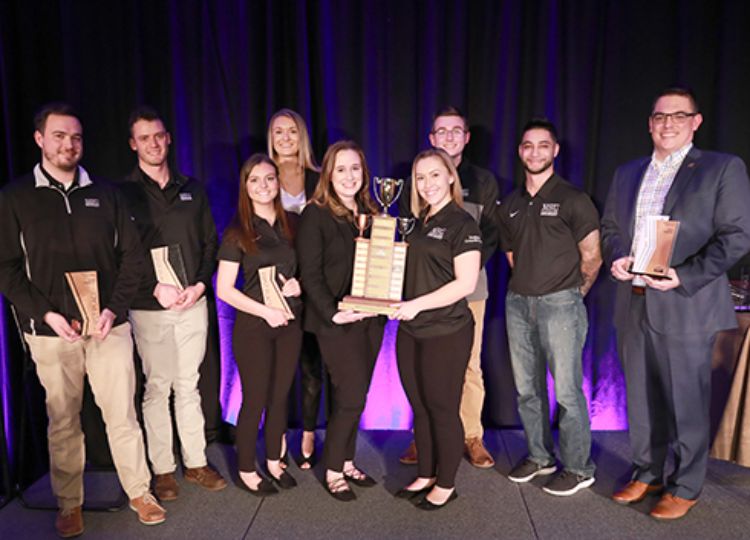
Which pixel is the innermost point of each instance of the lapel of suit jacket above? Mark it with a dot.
(688, 167)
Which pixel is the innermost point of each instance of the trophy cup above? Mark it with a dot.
(652, 254)
(272, 295)
(379, 262)
(85, 289)
(169, 266)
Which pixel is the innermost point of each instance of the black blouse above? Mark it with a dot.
(429, 266)
(273, 249)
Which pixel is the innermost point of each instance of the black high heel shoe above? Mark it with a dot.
(425, 504)
(285, 481)
(265, 488)
(339, 489)
(359, 478)
(307, 462)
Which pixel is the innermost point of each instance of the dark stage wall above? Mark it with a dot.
(375, 71)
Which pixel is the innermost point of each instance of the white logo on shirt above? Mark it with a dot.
(91, 203)
(513, 214)
(473, 239)
(437, 233)
(186, 196)
(550, 209)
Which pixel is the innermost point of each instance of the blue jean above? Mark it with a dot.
(551, 330)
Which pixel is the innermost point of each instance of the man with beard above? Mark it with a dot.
(170, 322)
(549, 230)
(450, 132)
(54, 221)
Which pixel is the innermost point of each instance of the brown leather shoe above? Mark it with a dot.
(409, 457)
(165, 486)
(206, 477)
(635, 491)
(672, 507)
(69, 522)
(149, 511)
(478, 454)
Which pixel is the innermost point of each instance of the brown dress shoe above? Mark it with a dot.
(165, 486)
(478, 454)
(635, 491)
(672, 507)
(149, 511)
(206, 477)
(69, 522)
(409, 457)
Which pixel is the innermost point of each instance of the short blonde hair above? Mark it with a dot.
(419, 206)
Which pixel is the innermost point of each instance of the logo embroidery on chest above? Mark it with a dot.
(437, 233)
(186, 196)
(91, 203)
(550, 209)
(473, 239)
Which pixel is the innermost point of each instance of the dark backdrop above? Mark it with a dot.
(375, 71)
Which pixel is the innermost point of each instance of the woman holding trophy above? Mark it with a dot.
(267, 334)
(349, 341)
(289, 146)
(436, 330)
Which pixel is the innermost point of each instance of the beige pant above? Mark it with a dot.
(472, 397)
(61, 367)
(172, 345)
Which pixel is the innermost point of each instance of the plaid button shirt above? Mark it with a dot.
(653, 191)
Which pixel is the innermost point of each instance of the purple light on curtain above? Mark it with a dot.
(5, 380)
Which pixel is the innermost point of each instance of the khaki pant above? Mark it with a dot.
(61, 367)
(472, 398)
(172, 345)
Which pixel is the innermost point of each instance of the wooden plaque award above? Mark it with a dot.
(380, 262)
(169, 266)
(85, 289)
(653, 254)
(272, 295)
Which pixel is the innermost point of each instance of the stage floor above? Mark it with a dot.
(489, 505)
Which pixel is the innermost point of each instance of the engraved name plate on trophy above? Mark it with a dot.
(653, 253)
(85, 291)
(169, 266)
(272, 295)
(380, 262)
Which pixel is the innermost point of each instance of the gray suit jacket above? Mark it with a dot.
(710, 197)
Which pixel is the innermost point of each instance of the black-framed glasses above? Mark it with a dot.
(679, 117)
(456, 132)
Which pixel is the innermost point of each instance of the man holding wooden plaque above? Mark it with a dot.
(667, 315)
(169, 313)
(67, 248)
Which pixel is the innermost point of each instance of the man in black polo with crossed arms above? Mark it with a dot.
(549, 230)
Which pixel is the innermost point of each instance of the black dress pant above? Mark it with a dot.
(266, 359)
(350, 359)
(311, 380)
(432, 372)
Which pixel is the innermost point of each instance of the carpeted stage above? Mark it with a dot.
(489, 505)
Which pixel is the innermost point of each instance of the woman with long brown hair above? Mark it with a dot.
(349, 341)
(289, 147)
(266, 339)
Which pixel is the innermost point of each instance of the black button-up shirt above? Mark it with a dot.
(543, 232)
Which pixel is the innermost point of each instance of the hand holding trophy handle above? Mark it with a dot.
(387, 190)
(405, 226)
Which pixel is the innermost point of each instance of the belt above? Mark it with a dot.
(640, 291)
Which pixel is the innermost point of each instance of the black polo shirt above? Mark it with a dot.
(429, 266)
(543, 233)
(273, 249)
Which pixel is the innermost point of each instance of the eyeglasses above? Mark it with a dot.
(456, 132)
(679, 117)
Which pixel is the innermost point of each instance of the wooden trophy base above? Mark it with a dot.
(368, 305)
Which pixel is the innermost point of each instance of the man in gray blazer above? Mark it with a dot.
(666, 327)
